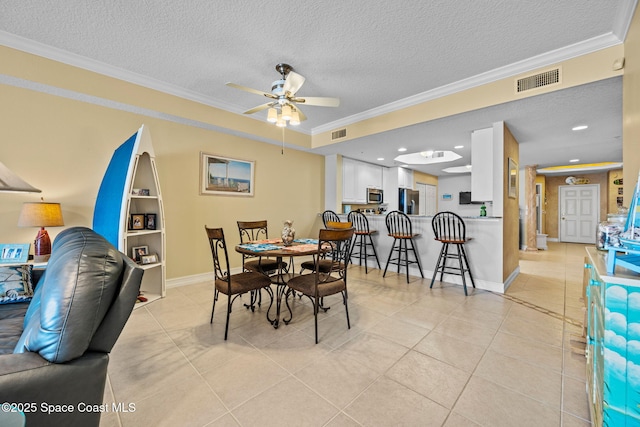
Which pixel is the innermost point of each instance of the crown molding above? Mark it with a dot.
(543, 60)
(623, 20)
(40, 49)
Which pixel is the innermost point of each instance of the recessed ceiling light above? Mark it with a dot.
(380, 159)
(574, 160)
(581, 127)
(402, 149)
(457, 147)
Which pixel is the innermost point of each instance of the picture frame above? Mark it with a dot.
(512, 179)
(137, 222)
(150, 221)
(14, 253)
(226, 176)
(140, 192)
(149, 259)
(137, 252)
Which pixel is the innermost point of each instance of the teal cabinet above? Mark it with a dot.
(613, 343)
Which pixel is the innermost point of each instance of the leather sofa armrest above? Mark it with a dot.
(26, 379)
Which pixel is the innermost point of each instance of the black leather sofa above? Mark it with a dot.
(54, 351)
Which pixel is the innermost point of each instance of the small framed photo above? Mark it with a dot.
(14, 253)
(150, 221)
(149, 259)
(140, 192)
(137, 222)
(137, 252)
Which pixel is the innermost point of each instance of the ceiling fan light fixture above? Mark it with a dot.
(272, 115)
(286, 112)
(281, 123)
(295, 118)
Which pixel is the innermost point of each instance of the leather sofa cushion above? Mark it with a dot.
(82, 278)
(11, 318)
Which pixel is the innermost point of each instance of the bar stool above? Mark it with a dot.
(362, 238)
(399, 227)
(449, 229)
(329, 216)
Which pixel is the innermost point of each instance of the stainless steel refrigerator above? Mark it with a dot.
(409, 201)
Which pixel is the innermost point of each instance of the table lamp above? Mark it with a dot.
(41, 214)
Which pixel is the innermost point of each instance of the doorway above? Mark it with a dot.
(579, 213)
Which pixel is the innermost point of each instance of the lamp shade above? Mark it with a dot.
(9, 181)
(40, 214)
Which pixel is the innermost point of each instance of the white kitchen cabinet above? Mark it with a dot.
(356, 178)
(371, 176)
(405, 178)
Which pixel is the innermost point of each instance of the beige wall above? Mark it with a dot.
(511, 210)
(63, 147)
(631, 107)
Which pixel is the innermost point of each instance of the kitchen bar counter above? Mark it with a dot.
(484, 251)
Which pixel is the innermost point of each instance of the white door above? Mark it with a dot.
(579, 210)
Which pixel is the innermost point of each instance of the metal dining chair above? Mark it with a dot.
(231, 285)
(362, 239)
(330, 274)
(450, 230)
(399, 227)
(329, 216)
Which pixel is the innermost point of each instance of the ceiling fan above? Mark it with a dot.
(283, 106)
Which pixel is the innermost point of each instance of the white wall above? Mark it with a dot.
(454, 185)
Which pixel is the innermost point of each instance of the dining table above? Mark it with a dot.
(275, 248)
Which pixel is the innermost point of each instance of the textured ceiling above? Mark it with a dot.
(368, 54)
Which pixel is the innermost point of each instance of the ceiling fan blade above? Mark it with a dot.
(318, 101)
(293, 83)
(248, 89)
(259, 108)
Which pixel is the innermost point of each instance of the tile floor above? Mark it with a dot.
(414, 356)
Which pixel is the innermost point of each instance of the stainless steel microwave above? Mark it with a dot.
(374, 195)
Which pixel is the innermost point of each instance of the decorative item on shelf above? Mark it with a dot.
(140, 192)
(150, 221)
(483, 210)
(137, 252)
(41, 214)
(574, 180)
(288, 233)
(17, 253)
(149, 259)
(137, 222)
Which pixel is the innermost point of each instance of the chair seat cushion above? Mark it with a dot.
(243, 282)
(263, 265)
(305, 284)
(326, 265)
(11, 322)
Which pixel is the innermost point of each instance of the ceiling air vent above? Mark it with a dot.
(337, 134)
(545, 78)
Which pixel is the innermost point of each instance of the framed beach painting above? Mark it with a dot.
(226, 176)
